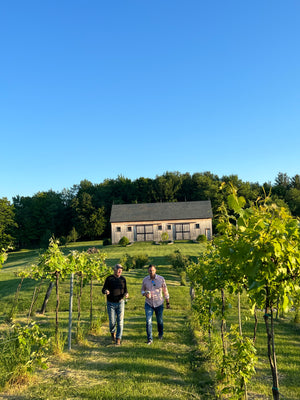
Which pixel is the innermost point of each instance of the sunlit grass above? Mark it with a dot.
(95, 369)
(287, 346)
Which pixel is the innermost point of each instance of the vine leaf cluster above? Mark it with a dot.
(257, 253)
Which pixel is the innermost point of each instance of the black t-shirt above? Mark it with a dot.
(117, 288)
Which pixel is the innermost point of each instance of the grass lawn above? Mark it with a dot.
(173, 368)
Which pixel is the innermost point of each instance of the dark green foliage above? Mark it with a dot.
(238, 366)
(73, 235)
(201, 239)
(7, 223)
(44, 242)
(22, 350)
(127, 262)
(165, 237)
(256, 250)
(63, 241)
(124, 241)
(182, 278)
(134, 262)
(87, 206)
(38, 216)
(141, 260)
(106, 242)
(90, 220)
(178, 260)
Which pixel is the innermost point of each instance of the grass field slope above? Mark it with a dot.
(177, 367)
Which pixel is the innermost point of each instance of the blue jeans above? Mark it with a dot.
(116, 317)
(159, 319)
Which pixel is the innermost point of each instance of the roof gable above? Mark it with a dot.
(161, 211)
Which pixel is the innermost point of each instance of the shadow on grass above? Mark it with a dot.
(9, 287)
(141, 364)
(166, 271)
(171, 364)
(155, 260)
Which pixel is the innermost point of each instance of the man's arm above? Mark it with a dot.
(105, 287)
(165, 290)
(125, 288)
(143, 290)
(166, 293)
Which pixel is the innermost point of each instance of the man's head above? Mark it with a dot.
(152, 271)
(118, 269)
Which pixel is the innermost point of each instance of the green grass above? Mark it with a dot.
(287, 346)
(96, 369)
(174, 368)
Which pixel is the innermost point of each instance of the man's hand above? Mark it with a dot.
(107, 291)
(168, 305)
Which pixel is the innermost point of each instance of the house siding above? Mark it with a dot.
(149, 230)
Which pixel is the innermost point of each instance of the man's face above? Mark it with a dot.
(118, 272)
(152, 271)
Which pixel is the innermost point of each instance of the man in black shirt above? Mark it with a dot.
(116, 290)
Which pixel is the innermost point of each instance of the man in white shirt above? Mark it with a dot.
(154, 289)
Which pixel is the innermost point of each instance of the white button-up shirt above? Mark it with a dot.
(158, 289)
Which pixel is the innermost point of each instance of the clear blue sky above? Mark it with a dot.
(94, 89)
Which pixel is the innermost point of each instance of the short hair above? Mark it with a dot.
(118, 266)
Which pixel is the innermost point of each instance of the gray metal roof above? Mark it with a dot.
(161, 211)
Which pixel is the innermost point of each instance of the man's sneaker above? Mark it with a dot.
(118, 342)
(149, 341)
(160, 337)
(113, 337)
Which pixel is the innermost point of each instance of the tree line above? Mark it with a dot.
(83, 211)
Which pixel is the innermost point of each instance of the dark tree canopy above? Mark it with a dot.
(86, 207)
(7, 223)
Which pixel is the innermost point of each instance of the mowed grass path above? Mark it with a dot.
(165, 370)
(98, 369)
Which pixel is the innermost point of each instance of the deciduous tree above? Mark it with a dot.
(7, 223)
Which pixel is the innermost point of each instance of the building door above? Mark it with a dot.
(182, 231)
(144, 233)
(208, 233)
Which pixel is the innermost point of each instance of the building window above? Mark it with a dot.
(169, 227)
(159, 227)
(129, 228)
(118, 229)
(197, 226)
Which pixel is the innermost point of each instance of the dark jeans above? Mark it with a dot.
(159, 318)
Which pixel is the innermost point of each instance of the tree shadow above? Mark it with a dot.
(162, 361)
